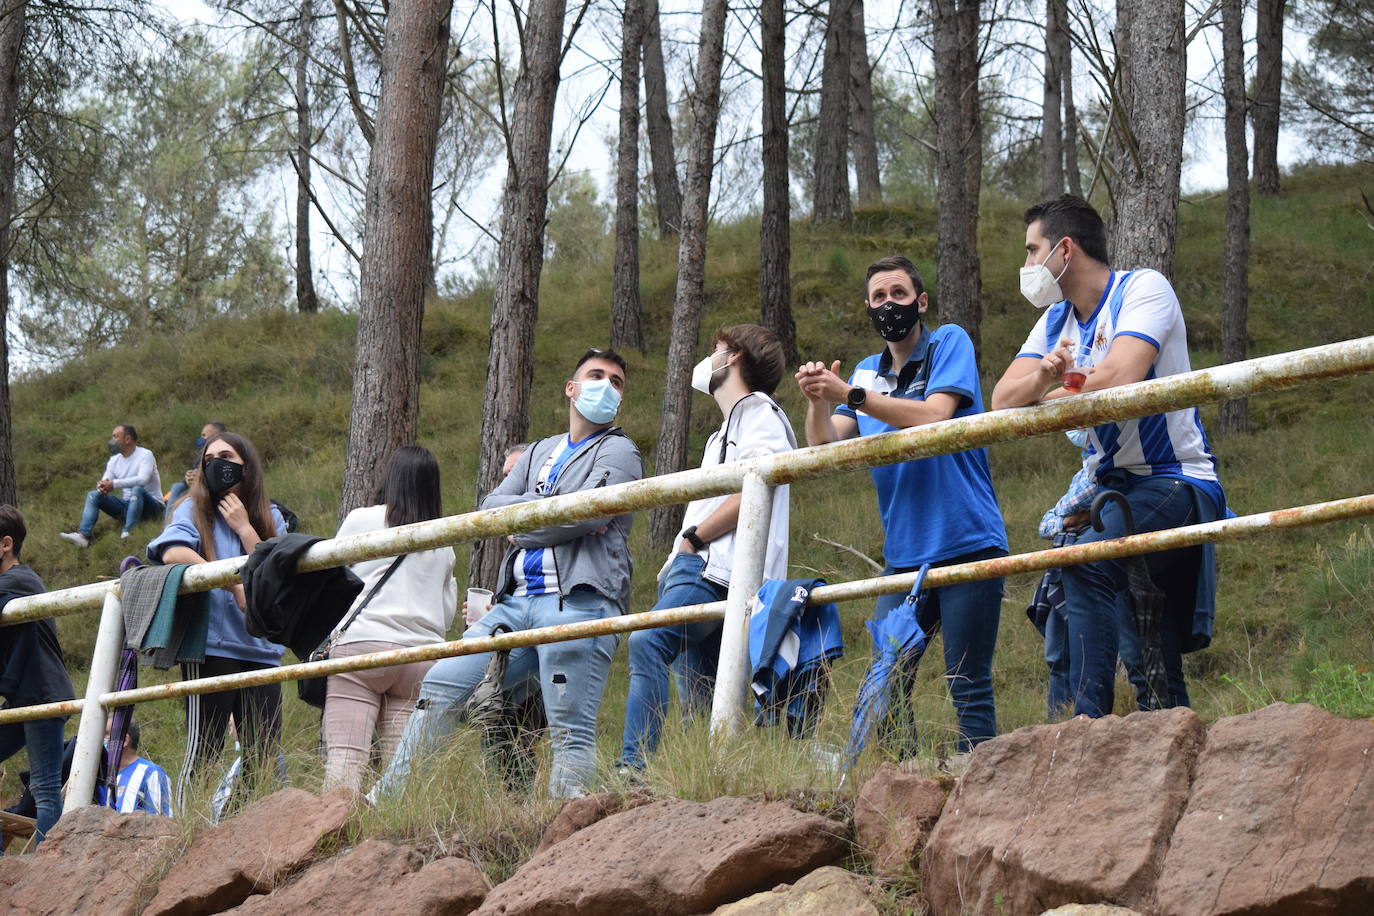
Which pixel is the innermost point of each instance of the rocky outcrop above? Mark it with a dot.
(893, 817)
(584, 811)
(828, 891)
(1079, 812)
(1280, 818)
(670, 857)
(378, 879)
(252, 852)
(92, 861)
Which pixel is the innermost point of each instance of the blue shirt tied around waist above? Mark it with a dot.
(942, 506)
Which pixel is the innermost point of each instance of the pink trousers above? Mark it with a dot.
(362, 704)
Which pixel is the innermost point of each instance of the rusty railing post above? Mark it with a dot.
(746, 575)
(90, 732)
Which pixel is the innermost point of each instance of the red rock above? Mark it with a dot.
(670, 857)
(893, 816)
(1280, 818)
(584, 811)
(1057, 814)
(252, 852)
(828, 891)
(93, 861)
(378, 879)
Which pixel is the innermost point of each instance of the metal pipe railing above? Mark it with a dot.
(1037, 561)
(1266, 373)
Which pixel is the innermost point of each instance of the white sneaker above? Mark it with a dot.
(76, 537)
(123, 534)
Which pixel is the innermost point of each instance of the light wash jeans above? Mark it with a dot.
(571, 677)
(140, 505)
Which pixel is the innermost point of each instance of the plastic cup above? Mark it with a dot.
(1075, 376)
(479, 602)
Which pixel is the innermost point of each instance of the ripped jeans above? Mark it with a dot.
(571, 677)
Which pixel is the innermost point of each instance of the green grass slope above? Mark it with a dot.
(1295, 611)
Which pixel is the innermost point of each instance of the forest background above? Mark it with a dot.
(151, 278)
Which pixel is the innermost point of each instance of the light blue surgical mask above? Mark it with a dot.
(597, 400)
(1078, 437)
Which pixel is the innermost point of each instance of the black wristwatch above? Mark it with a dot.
(690, 536)
(856, 397)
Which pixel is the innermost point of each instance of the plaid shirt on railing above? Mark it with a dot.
(1079, 498)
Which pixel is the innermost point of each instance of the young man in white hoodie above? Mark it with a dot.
(741, 373)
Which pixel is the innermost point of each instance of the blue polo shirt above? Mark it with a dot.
(943, 506)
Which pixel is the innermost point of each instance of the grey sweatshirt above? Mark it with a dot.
(598, 561)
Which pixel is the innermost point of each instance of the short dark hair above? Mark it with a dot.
(131, 432)
(597, 353)
(219, 427)
(410, 486)
(12, 524)
(134, 734)
(762, 361)
(894, 262)
(1068, 216)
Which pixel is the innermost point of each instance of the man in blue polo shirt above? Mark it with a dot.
(1120, 327)
(940, 510)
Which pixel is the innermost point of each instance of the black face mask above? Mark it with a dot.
(894, 322)
(221, 475)
(113, 446)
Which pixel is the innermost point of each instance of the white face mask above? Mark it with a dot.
(703, 373)
(1039, 286)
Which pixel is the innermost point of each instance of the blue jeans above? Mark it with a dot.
(571, 677)
(43, 738)
(968, 614)
(1128, 648)
(139, 506)
(653, 651)
(1092, 590)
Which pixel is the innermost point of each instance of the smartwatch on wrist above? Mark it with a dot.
(856, 397)
(690, 536)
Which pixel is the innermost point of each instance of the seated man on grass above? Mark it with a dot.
(133, 470)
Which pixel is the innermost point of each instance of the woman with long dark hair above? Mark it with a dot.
(414, 606)
(226, 514)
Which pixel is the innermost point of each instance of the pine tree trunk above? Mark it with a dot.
(1075, 177)
(959, 158)
(1265, 113)
(690, 298)
(627, 330)
(1052, 104)
(386, 369)
(659, 125)
(775, 230)
(12, 15)
(865, 138)
(830, 190)
(1150, 83)
(520, 261)
(306, 301)
(1236, 270)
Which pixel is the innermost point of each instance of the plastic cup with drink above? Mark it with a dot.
(1077, 374)
(478, 603)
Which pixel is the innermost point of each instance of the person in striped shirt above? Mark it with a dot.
(1118, 327)
(142, 785)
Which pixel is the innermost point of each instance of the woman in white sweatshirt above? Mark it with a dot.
(413, 607)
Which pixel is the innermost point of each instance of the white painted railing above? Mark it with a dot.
(755, 480)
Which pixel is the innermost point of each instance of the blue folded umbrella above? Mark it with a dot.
(898, 643)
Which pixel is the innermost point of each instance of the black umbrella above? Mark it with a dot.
(1146, 603)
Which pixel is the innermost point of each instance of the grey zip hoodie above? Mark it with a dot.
(598, 561)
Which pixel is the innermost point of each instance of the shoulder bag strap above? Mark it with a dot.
(371, 593)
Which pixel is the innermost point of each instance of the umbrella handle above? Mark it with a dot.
(1106, 496)
(914, 595)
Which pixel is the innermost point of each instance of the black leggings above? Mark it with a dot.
(257, 716)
